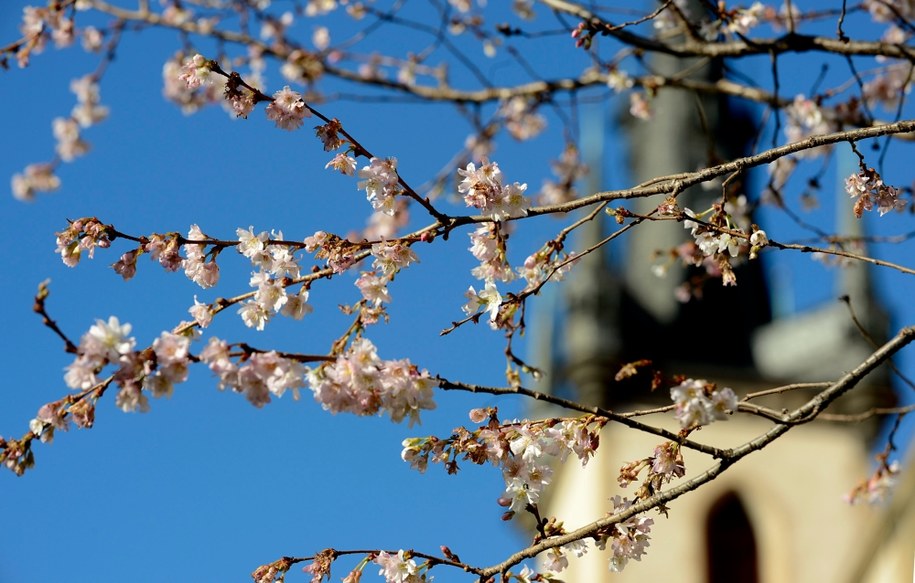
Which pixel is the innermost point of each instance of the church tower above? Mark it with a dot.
(778, 515)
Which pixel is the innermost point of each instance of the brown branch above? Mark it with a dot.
(621, 418)
(788, 43)
(39, 308)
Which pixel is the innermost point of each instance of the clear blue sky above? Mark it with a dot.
(205, 487)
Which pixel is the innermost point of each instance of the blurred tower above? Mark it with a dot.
(778, 516)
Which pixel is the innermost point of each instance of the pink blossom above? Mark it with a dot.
(878, 487)
(287, 109)
(329, 135)
(196, 268)
(488, 247)
(374, 288)
(92, 39)
(343, 164)
(296, 306)
(35, 178)
(397, 568)
(107, 340)
(201, 313)
(361, 383)
(628, 539)
(69, 143)
(483, 189)
(391, 257)
(488, 299)
(381, 183)
(196, 72)
(254, 315)
(126, 266)
(805, 119)
(667, 461)
(131, 398)
(521, 119)
(639, 107)
(699, 402)
(165, 250)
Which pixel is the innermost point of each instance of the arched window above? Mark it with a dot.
(730, 543)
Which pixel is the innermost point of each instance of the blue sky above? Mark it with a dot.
(205, 487)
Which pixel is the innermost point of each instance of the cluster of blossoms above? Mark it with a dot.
(487, 300)
(741, 20)
(194, 82)
(155, 370)
(524, 451)
(699, 402)
(288, 109)
(868, 190)
(628, 539)
(521, 118)
(81, 235)
(70, 144)
(877, 488)
(302, 65)
(487, 245)
(202, 272)
(389, 259)
(619, 80)
(51, 417)
(16, 455)
(399, 568)
(665, 464)
(34, 179)
(359, 382)
(806, 119)
(568, 169)
(734, 22)
(339, 253)
(39, 23)
(550, 261)
(257, 376)
(892, 11)
(191, 83)
(887, 86)
(639, 106)
(483, 189)
(381, 184)
(275, 265)
(718, 241)
(165, 249)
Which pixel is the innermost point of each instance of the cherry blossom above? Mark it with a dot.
(488, 299)
(699, 402)
(483, 189)
(196, 268)
(35, 178)
(398, 568)
(287, 110)
(488, 247)
(196, 72)
(868, 189)
(878, 487)
(343, 164)
(628, 539)
(360, 382)
(381, 183)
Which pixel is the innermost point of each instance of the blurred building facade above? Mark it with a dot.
(777, 516)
